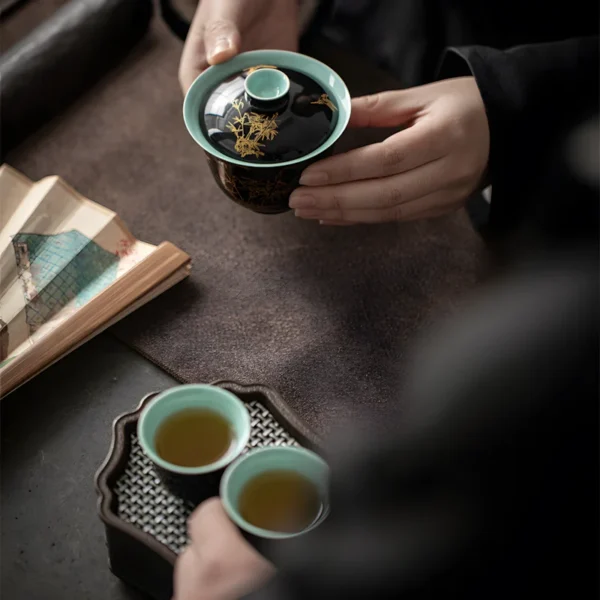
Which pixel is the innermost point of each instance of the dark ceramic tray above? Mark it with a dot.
(145, 524)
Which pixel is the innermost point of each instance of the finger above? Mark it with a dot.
(193, 58)
(405, 150)
(431, 205)
(385, 109)
(210, 526)
(193, 62)
(210, 522)
(385, 192)
(219, 546)
(213, 37)
(221, 39)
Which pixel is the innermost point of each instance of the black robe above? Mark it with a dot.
(490, 488)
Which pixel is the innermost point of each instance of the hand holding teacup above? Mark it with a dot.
(218, 563)
(197, 436)
(272, 493)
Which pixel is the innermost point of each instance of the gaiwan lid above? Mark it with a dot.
(267, 113)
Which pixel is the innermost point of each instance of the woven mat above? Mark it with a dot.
(326, 316)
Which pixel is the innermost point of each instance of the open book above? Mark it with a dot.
(69, 268)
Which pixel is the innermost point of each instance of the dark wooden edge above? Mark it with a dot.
(108, 473)
(118, 454)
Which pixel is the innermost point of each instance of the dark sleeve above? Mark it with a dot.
(534, 95)
(487, 485)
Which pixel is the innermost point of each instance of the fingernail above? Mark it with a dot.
(307, 214)
(314, 178)
(302, 201)
(222, 45)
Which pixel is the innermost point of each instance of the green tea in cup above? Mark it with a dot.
(193, 437)
(283, 501)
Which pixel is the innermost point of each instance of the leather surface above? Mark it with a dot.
(63, 56)
(22, 17)
(326, 316)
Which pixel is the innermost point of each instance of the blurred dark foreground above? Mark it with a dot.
(489, 487)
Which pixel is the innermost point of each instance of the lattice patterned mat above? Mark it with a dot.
(144, 502)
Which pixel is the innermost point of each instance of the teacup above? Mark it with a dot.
(261, 119)
(193, 483)
(272, 459)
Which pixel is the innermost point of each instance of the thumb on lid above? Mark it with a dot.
(221, 40)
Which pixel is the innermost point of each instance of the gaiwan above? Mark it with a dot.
(261, 119)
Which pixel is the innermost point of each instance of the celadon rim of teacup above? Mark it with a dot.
(229, 502)
(206, 82)
(210, 393)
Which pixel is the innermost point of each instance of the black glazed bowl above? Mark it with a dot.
(261, 119)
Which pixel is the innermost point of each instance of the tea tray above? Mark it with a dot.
(145, 524)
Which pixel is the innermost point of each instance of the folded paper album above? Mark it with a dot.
(69, 268)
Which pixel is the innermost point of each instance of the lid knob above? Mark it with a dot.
(267, 85)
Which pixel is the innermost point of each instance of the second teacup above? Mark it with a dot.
(276, 492)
